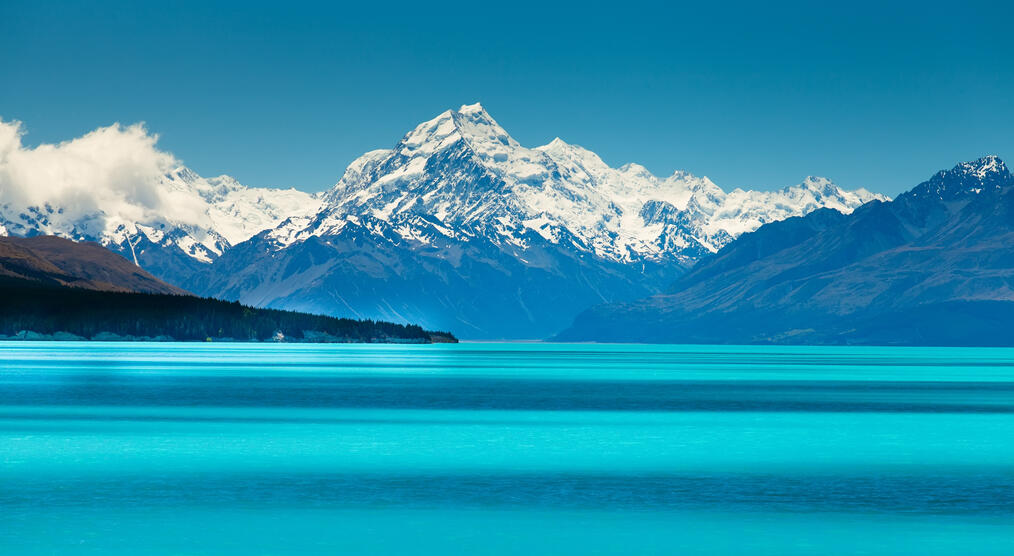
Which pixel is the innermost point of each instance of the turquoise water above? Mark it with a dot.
(504, 449)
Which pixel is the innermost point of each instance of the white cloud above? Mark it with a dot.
(105, 183)
(112, 176)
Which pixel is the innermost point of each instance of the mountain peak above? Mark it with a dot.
(818, 184)
(558, 148)
(474, 121)
(986, 174)
(816, 181)
(470, 123)
(633, 168)
(471, 108)
(682, 175)
(983, 167)
(555, 143)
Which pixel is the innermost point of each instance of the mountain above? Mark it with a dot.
(460, 227)
(50, 260)
(114, 187)
(933, 267)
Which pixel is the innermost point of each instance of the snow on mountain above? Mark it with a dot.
(464, 170)
(114, 186)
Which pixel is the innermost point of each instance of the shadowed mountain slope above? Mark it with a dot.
(933, 267)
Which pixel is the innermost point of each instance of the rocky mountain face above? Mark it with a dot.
(933, 267)
(460, 227)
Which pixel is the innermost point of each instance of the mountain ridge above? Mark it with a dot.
(556, 186)
(940, 249)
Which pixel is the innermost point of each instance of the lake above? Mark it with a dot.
(162, 448)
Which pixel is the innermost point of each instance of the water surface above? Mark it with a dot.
(504, 448)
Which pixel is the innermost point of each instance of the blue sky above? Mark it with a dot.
(750, 95)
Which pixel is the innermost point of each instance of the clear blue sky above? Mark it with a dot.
(751, 95)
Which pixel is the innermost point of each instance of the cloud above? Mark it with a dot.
(112, 176)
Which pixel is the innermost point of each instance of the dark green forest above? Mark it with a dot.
(30, 306)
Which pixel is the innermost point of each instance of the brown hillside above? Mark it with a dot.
(55, 260)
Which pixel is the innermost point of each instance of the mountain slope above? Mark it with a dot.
(56, 261)
(460, 227)
(934, 266)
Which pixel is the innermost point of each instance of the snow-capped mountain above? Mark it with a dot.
(461, 169)
(460, 227)
(113, 186)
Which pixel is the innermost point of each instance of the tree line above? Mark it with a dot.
(30, 306)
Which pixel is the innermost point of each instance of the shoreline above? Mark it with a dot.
(316, 338)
